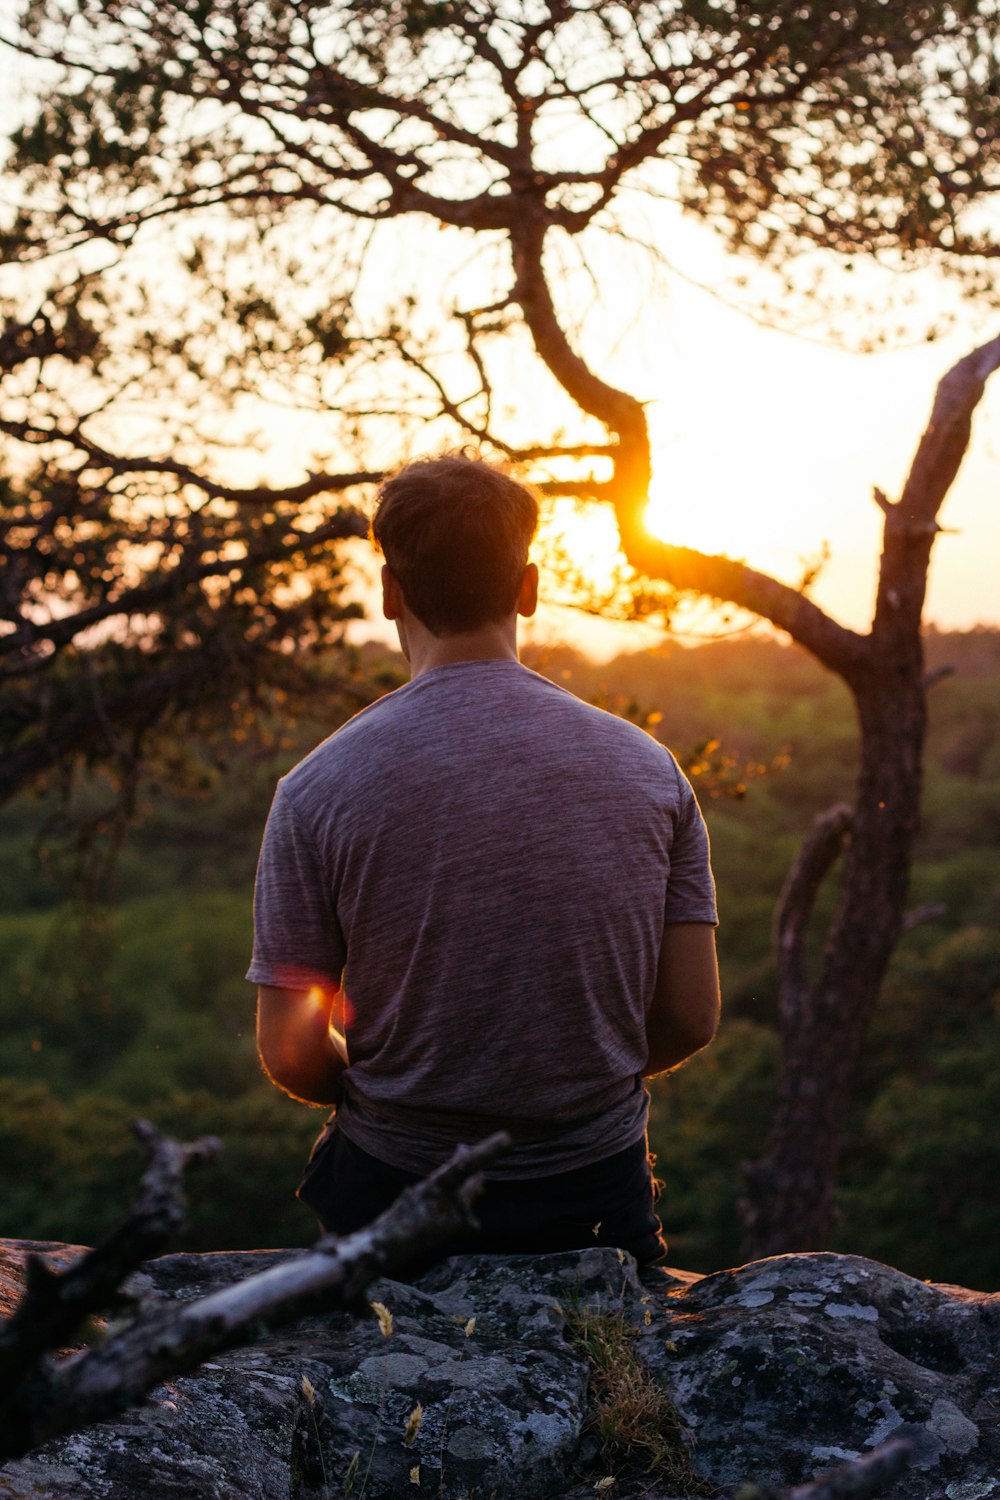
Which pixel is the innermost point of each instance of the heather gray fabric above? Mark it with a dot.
(488, 864)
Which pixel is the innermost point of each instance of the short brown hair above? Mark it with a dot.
(455, 532)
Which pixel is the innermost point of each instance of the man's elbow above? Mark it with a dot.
(700, 1036)
(680, 1043)
(704, 1022)
(278, 1067)
(673, 1041)
(281, 1057)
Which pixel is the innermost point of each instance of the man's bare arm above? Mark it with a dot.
(298, 1048)
(684, 1015)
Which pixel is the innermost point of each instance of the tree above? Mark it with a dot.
(187, 172)
(123, 619)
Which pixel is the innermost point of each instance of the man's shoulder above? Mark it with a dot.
(348, 745)
(500, 713)
(601, 723)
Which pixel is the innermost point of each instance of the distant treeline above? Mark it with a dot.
(123, 994)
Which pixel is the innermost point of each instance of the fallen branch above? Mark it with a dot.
(48, 1397)
(860, 1480)
(56, 1303)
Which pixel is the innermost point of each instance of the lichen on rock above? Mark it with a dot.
(777, 1371)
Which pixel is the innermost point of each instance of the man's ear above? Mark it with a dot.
(527, 599)
(392, 595)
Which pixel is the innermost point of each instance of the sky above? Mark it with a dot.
(787, 455)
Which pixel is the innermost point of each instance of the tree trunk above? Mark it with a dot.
(789, 1201)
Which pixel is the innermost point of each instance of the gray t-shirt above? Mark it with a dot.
(485, 864)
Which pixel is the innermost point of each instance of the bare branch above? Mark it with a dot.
(820, 848)
(866, 1477)
(620, 412)
(188, 572)
(170, 1339)
(117, 464)
(931, 911)
(911, 525)
(946, 438)
(837, 647)
(56, 1303)
(938, 675)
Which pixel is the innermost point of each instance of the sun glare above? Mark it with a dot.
(727, 524)
(581, 539)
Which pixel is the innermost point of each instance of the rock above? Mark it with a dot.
(801, 1362)
(779, 1370)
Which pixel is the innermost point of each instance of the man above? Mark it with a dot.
(482, 904)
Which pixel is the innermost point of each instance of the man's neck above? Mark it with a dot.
(425, 651)
(494, 641)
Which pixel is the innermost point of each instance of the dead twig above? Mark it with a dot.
(859, 1480)
(42, 1397)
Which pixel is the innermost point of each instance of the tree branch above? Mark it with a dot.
(119, 464)
(189, 680)
(911, 524)
(837, 647)
(946, 438)
(186, 574)
(919, 916)
(620, 412)
(859, 1480)
(938, 674)
(820, 848)
(56, 1303)
(45, 1399)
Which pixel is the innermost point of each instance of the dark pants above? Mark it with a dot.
(609, 1202)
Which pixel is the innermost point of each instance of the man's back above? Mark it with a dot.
(491, 864)
(505, 892)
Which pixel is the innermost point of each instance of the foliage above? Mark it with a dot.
(928, 1164)
(133, 618)
(206, 202)
(704, 1122)
(155, 1019)
(860, 130)
(69, 1164)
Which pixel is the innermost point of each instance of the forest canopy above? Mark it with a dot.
(377, 228)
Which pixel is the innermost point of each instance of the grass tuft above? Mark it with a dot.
(634, 1419)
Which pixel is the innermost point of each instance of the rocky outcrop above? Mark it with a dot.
(465, 1384)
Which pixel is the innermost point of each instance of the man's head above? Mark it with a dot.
(455, 534)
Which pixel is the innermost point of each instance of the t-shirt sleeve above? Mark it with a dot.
(297, 941)
(690, 885)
